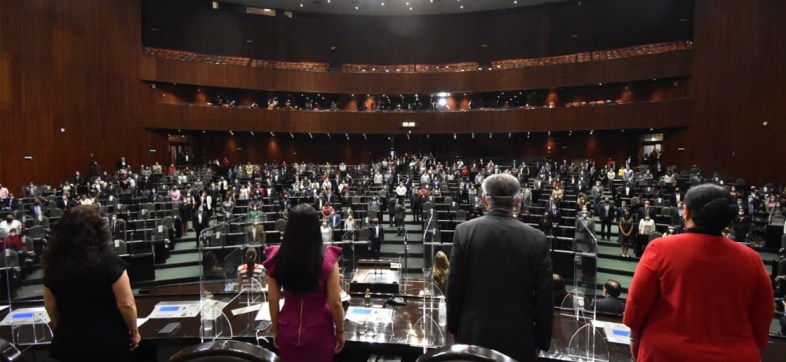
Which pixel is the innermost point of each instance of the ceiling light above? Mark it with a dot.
(443, 94)
(356, 8)
(272, 134)
(461, 7)
(310, 136)
(382, 4)
(291, 135)
(252, 133)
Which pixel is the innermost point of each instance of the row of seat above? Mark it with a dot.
(644, 49)
(637, 50)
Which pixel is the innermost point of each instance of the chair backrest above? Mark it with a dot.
(9, 353)
(36, 232)
(281, 225)
(225, 351)
(168, 222)
(363, 234)
(11, 258)
(120, 247)
(461, 215)
(29, 244)
(464, 353)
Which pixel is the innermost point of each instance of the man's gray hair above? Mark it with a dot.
(501, 190)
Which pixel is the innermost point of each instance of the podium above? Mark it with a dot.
(378, 276)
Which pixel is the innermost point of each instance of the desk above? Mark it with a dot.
(402, 337)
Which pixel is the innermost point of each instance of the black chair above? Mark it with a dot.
(464, 353)
(9, 352)
(225, 351)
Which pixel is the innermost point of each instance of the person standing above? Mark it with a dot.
(699, 296)
(87, 293)
(310, 327)
(497, 255)
(376, 237)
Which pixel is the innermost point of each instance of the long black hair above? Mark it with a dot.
(299, 260)
(711, 207)
(78, 239)
(251, 262)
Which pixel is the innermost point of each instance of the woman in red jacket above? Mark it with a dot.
(699, 296)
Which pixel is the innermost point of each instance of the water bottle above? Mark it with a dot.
(367, 298)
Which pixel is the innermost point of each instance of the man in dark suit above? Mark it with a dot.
(611, 303)
(607, 213)
(201, 221)
(488, 254)
(376, 234)
(117, 228)
(38, 210)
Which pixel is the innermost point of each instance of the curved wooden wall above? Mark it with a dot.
(664, 65)
(663, 114)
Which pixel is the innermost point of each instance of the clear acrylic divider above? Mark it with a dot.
(221, 243)
(587, 342)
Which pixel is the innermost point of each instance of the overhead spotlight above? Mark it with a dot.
(328, 135)
(473, 135)
(346, 135)
(454, 136)
(364, 136)
(272, 134)
(509, 135)
(232, 133)
(252, 133)
(549, 133)
(407, 137)
(310, 135)
(489, 135)
(291, 135)
(591, 131)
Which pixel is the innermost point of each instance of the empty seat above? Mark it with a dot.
(464, 353)
(225, 351)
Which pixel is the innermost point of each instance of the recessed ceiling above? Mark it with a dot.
(389, 7)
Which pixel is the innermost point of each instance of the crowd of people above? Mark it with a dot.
(626, 195)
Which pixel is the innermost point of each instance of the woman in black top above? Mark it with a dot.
(87, 292)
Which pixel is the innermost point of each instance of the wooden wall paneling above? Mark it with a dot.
(664, 65)
(737, 84)
(74, 67)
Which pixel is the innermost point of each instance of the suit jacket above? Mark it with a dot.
(374, 236)
(610, 304)
(601, 212)
(496, 255)
(44, 211)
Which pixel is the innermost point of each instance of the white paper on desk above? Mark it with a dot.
(264, 311)
(244, 310)
(140, 322)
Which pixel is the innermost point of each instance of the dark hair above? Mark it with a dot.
(613, 287)
(209, 262)
(299, 260)
(251, 262)
(711, 207)
(76, 243)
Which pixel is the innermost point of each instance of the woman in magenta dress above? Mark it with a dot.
(310, 327)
